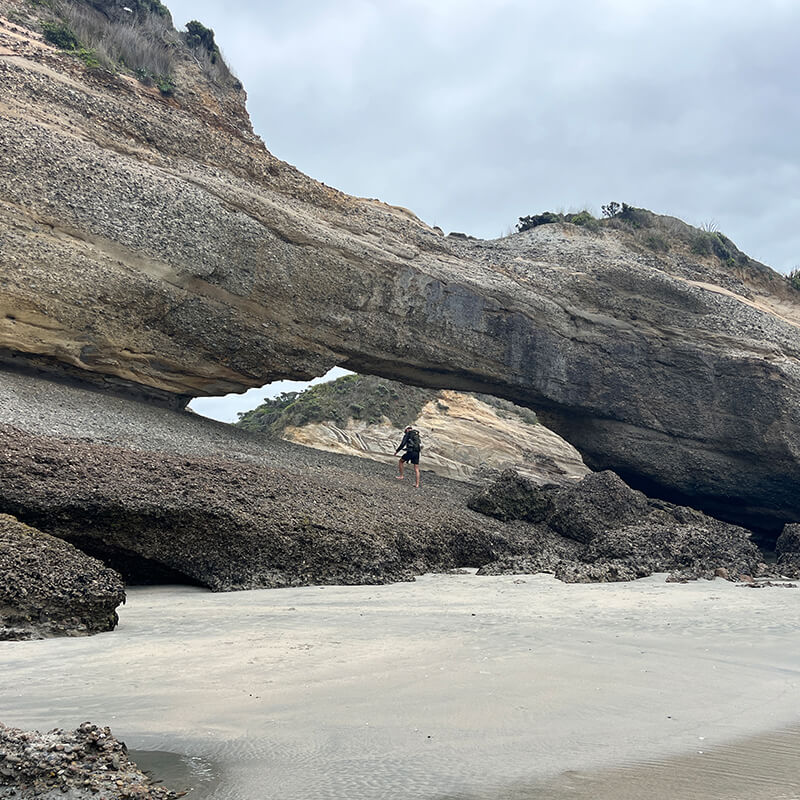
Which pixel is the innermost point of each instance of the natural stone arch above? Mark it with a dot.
(157, 246)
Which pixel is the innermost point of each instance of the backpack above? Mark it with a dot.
(413, 441)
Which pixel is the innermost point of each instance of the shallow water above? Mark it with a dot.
(194, 775)
(453, 687)
(759, 768)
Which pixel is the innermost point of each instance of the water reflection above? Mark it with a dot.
(195, 775)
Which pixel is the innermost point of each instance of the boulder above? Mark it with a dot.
(191, 261)
(657, 543)
(511, 497)
(787, 549)
(618, 534)
(50, 588)
(88, 762)
(600, 502)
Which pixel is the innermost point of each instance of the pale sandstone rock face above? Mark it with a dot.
(462, 438)
(156, 242)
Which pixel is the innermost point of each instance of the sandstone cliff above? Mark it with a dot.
(465, 437)
(153, 243)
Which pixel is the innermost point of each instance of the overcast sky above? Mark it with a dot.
(472, 114)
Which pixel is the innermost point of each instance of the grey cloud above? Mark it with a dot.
(472, 114)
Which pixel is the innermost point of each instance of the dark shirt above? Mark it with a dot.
(404, 443)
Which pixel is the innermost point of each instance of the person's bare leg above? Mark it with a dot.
(416, 472)
(400, 467)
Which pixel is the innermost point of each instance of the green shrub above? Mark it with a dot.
(794, 278)
(198, 37)
(584, 219)
(702, 244)
(60, 35)
(207, 54)
(144, 76)
(165, 85)
(723, 247)
(635, 217)
(90, 58)
(657, 242)
(547, 218)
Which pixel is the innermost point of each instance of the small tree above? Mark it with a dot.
(534, 220)
(201, 38)
(612, 209)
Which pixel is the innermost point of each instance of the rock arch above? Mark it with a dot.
(158, 246)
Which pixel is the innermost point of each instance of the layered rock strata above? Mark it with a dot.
(464, 439)
(50, 588)
(193, 262)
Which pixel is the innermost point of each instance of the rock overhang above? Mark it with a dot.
(150, 248)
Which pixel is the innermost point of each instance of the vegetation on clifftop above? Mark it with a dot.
(135, 37)
(359, 397)
(356, 397)
(656, 232)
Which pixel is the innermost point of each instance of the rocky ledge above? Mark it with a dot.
(50, 588)
(191, 262)
(602, 530)
(86, 763)
(179, 497)
(787, 549)
(225, 524)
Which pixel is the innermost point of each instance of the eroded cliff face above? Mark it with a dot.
(156, 244)
(463, 439)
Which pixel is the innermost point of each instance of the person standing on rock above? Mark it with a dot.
(412, 446)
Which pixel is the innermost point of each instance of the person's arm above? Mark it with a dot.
(402, 444)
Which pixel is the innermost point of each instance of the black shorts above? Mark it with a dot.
(411, 456)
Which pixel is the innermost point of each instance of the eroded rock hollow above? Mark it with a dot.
(154, 244)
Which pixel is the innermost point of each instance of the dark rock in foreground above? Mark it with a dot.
(513, 497)
(787, 548)
(602, 530)
(229, 524)
(49, 588)
(600, 501)
(86, 763)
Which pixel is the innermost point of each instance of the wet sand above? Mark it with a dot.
(452, 687)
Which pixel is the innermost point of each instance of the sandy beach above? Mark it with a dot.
(454, 686)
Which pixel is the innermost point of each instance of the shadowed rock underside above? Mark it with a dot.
(191, 261)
